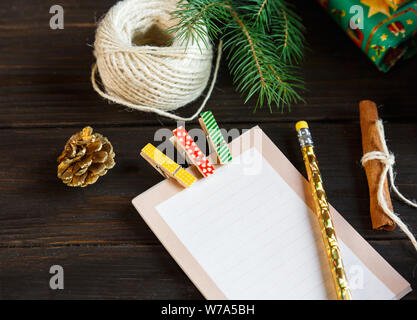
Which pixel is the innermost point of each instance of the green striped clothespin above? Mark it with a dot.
(215, 137)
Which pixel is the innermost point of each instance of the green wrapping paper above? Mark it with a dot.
(389, 31)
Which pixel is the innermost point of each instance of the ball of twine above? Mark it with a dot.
(143, 67)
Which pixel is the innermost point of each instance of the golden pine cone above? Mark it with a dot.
(85, 158)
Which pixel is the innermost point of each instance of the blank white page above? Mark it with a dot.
(257, 239)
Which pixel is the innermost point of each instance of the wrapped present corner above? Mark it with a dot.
(386, 30)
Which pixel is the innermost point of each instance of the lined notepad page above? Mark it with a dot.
(257, 239)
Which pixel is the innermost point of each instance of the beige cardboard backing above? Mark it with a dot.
(147, 202)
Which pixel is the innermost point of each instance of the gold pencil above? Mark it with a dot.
(321, 206)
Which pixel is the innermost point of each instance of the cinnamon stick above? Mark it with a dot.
(371, 141)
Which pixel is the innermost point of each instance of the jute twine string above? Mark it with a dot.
(144, 76)
(388, 160)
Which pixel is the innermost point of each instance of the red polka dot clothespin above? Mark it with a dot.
(192, 153)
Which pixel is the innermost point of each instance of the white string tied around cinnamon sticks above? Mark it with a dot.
(388, 160)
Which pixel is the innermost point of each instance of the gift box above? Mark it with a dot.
(395, 4)
(386, 30)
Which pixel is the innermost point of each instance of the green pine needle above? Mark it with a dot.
(264, 40)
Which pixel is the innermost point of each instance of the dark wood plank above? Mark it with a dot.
(106, 249)
(127, 272)
(402, 257)
(44, 74)
(94, 272)
(37, 209)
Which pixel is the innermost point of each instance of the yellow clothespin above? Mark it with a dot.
(167, 167)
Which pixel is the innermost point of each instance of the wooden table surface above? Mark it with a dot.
(107, 251)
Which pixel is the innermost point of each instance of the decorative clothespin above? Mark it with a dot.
(167, 167)
(191, 152)
(215, 137)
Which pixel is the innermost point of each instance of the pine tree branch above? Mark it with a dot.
(261, 8)
(201, 13)
(287, 32)
(264, 38)
(248, 37)
(285, 29)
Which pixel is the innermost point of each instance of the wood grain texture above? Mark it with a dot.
(124, 272)
(94, 272)
(45, 74)
(103, 212)
(95, 233)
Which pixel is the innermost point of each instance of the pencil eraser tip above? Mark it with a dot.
(301, 125)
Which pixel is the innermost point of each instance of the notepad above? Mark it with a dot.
(248, 232)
